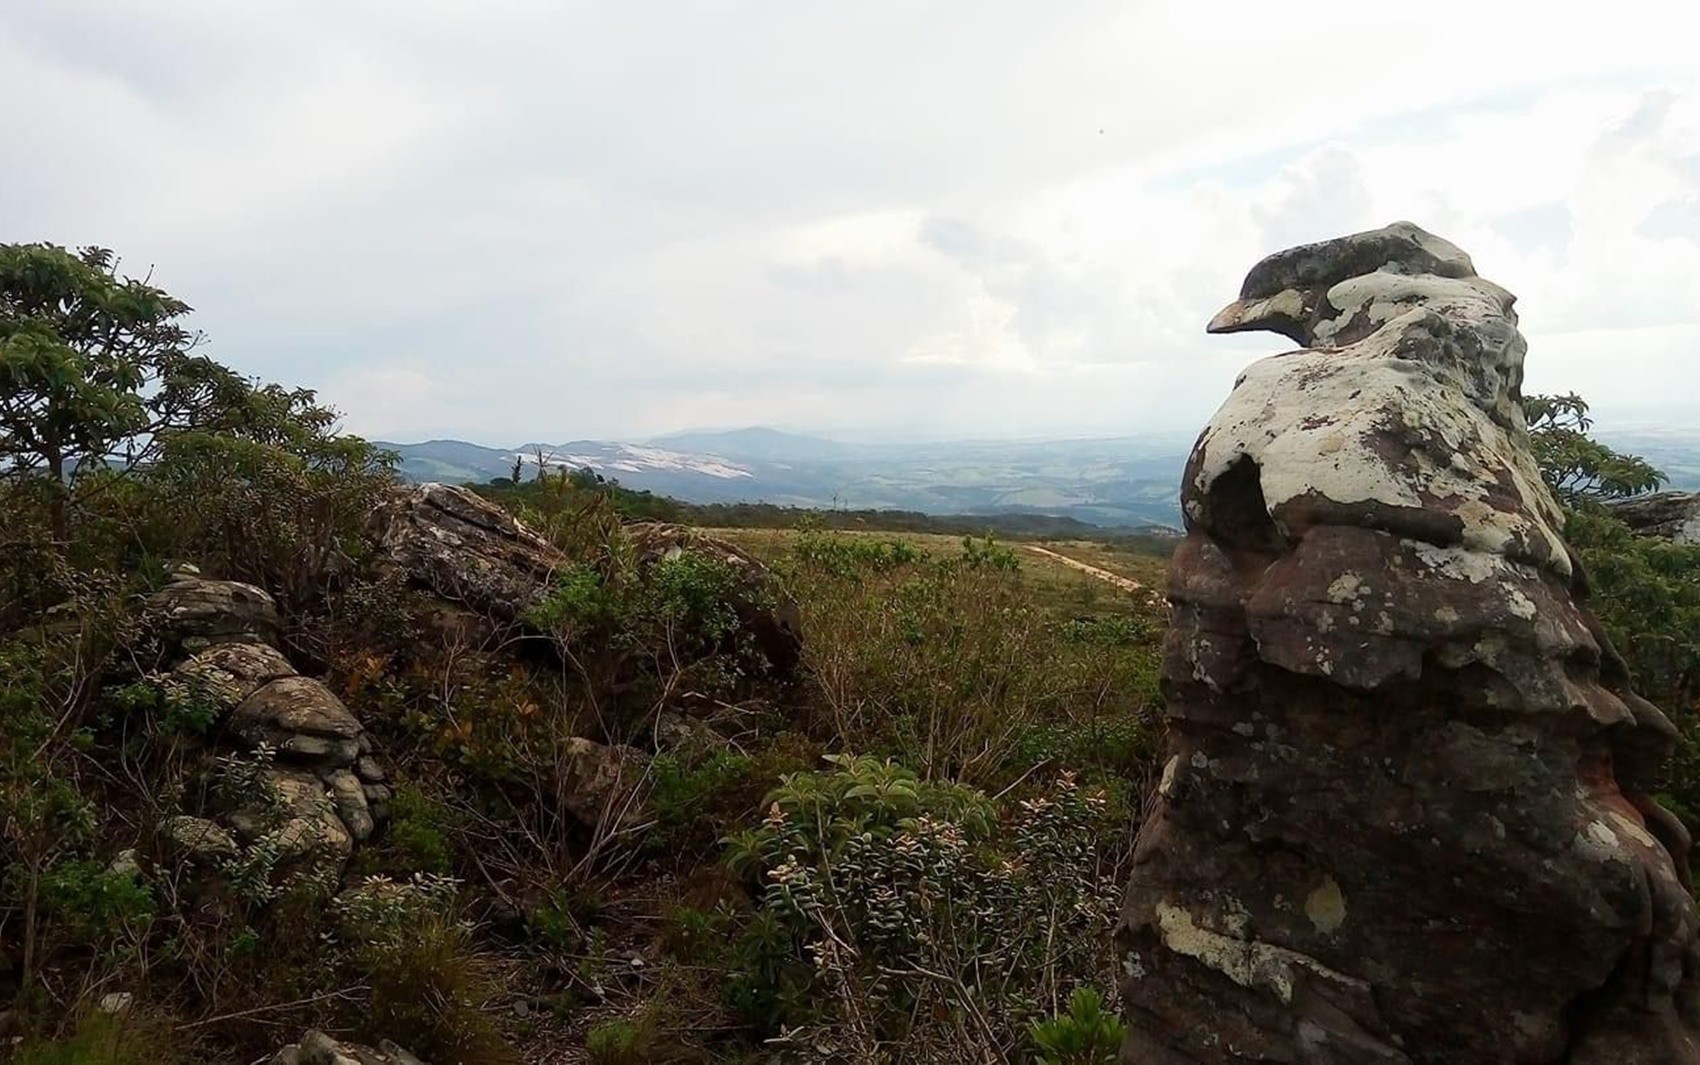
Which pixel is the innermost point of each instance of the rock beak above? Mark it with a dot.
(1287, 312)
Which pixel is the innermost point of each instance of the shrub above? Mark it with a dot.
(99, 1038)
(1086, 1035)
(91, 905)
(917, 922)
(428, 985)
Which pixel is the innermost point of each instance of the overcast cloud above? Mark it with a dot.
(508, 220)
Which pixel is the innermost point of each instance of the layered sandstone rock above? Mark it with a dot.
(1405, 814)
(325, 791)
(466, 549)
(1672, 515)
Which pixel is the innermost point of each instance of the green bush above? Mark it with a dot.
(618, 1042)
(421, 832)
(1086, 1035)
(891, 911)
(91, 905)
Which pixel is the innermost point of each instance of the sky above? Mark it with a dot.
(516, 220)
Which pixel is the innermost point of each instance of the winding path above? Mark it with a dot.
(1126, 584)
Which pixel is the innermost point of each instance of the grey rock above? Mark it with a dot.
(317, 1048)
(466, 549)
(369, 770)
(228, 673)
(1407, 811)
(349, 797)
(207, 611)
(301, 718)
(127, 863)
(682, 735)
(116, 1003)
(600, 785)
(198, 839)
(295, 811)
(1672, 515)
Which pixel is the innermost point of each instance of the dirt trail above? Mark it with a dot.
(1126, 584)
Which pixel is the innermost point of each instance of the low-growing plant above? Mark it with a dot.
(1088, 1034)
(618, 1042)
(917, 921)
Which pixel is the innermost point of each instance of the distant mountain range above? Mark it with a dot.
(1117, 482)
(1128, 482)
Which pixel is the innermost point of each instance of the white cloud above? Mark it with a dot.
(521, 219)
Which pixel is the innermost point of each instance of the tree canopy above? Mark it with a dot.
(99, 372)
(1575, 465)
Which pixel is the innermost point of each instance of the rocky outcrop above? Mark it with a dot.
(324, 791)
(197, 613)
(1672, 515)
(1406, 814)
(317, 1048)
(466, 549)
(764, 609)
(470, 552)
(601, 784)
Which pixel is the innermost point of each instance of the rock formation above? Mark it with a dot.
(317, 1048)
(763, 607)
(1672, 515)
(326, 792)
(1406, 812)
(470, 552)
(466, 550)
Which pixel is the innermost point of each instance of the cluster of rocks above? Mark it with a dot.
(317, 1048)
(471, 553)
(324, 789)
(1407, 811)
(480, 566)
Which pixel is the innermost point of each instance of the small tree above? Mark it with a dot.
(98, 370)
(1575, 465)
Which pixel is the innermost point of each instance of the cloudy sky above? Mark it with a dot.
(509, 220)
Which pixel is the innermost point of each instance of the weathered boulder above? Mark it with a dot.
(764, 608)
(293, 810)
(228, 673)
(197, 839)
(466, 549)
(323, 802)
(1406, 814)
(600, 784)
(317, 1048)
(193, 612)
(302, 719)
(1672, 515)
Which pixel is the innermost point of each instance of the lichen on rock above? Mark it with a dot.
(1407, 811)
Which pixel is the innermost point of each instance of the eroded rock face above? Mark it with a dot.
(466, 549)
(1406, 813)
(1672, 515)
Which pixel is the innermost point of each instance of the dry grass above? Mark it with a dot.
(1051, 583)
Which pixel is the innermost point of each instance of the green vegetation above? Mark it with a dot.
(914, 836)
(1088, 1034)
(1646, 592)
